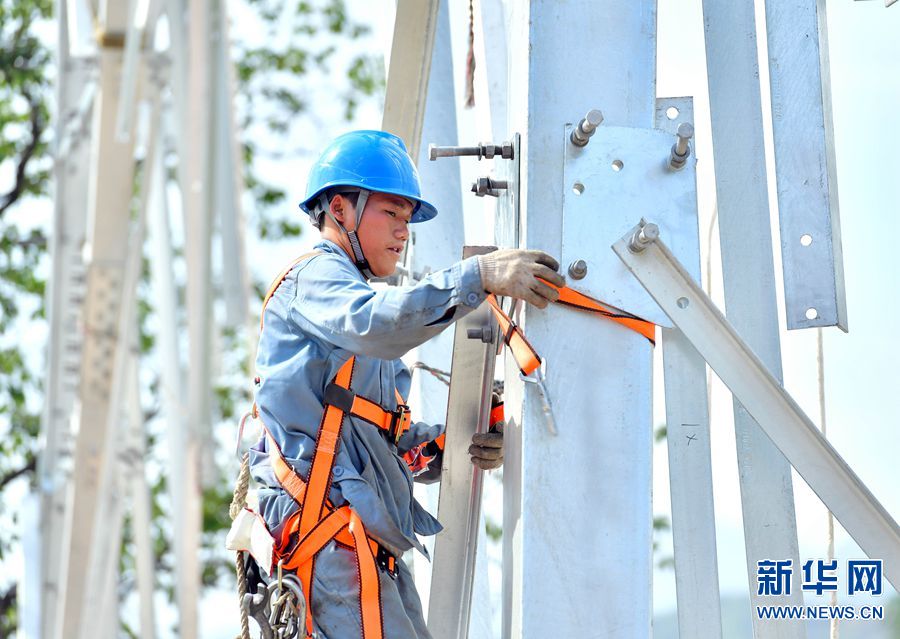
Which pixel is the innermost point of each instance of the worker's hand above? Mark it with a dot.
(487, 448)
(514, 273)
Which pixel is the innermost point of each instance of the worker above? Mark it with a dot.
(323, 316)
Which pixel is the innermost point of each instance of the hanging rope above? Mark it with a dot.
(470, 60)
(241, 486)
(443, 376)
(820, 364)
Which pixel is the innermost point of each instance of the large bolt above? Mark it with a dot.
(484, 150)
(578, 269)
(488, 186)
(681, 150)
(485, 334)
(582, 133)
(642, 238)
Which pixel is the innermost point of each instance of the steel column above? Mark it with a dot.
(438, 248)
(110, 192)
(767, 498)
(577, 506)
(65, 297)
(688, 441)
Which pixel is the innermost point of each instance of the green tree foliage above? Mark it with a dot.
(24, 115)
(300, 49)
(304, 45)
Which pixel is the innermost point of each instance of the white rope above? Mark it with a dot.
(820, 363)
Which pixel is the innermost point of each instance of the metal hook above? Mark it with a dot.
(240, 435)
(538, 381)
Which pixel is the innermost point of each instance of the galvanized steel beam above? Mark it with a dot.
(578, 516)
(767, 498)
(459, 504)
(805, 166)
(64, 297)
(761, 393)
(109, 196)
(688, 441)
(407, 81)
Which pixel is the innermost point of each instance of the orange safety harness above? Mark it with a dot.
(318, 521)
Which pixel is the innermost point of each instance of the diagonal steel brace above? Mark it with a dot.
(789, 428)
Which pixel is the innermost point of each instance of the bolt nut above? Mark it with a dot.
(642, 238)
(582, 133)
(578, 269)
(485, 334)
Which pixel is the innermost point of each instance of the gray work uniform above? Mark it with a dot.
(323, 313)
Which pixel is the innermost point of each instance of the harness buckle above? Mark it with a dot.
(386, 561)
(400, 418)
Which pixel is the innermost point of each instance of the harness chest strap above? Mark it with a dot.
(395, 422)
(319, 522)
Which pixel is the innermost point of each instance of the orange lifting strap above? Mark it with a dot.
(523, 352)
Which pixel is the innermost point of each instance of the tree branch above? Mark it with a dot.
(12, 475)
(37, 128)
(8, 600)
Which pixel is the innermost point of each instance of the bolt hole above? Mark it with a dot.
(617, 165)
(806, 240)
(811, 313)
(672, 113)
(578, 188)
(683, 302)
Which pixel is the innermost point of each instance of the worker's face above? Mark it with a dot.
(384, 230)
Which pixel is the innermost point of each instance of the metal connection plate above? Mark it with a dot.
(506, 222)
(622, 175)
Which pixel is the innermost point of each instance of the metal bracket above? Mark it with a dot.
(795, 435)
(622, 173)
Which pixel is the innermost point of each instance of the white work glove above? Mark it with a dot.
(514, 273)
(486, 450)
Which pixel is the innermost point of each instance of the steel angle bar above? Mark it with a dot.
(568, 529)
(106, 251)
(134, 35)
(690, 469)
(196, 197)
(745, 237)
(64, 298)
(439, 248)
(813, 457)
(407, 81)
(459, 504)
(141, 502)
(690, 486)
(805, 166)
(228, 180)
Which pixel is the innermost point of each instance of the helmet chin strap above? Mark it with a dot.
(358, 258)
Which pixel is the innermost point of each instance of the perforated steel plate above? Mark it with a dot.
(621, 176)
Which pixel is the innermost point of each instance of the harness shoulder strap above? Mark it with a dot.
(278, 280)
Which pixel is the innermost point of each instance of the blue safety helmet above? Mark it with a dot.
(375, 161)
